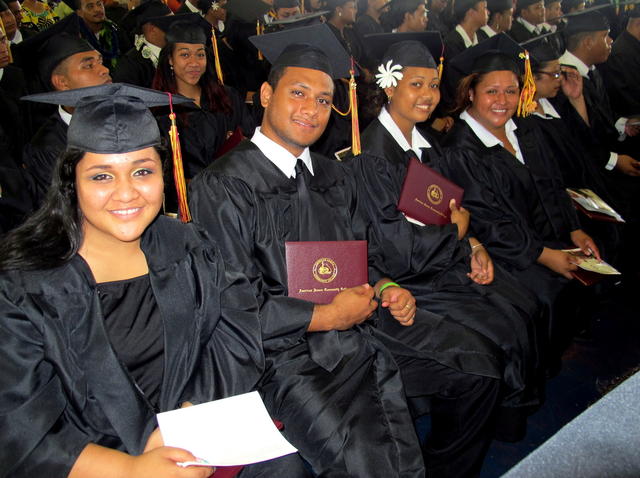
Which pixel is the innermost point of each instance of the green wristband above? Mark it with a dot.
(384, 286)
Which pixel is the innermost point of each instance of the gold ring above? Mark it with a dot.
(408, 306)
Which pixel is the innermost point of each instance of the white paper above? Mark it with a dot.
(231, 431)
(590, 263)
(592, 202)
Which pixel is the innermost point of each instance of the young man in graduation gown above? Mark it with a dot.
(66, 63)
(529, 22)
(327, 369)
(138, 65)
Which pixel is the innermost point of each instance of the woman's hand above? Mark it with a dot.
(162, 462)
(582, 240)
(559, 261)
(481, 264)
(400, 303)
(460, 217)
(571, 82)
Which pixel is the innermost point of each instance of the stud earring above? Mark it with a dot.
(339, 14)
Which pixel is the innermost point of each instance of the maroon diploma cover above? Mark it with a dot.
(426, 194)
(317, 270)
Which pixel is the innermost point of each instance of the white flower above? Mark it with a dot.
(388, 75)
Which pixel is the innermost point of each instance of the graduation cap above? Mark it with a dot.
(541, 51)
(522, 4)
(153, 11)
(460, 7)
(403, 6)
(285, 4)
(585, 21)
(402, 50)
(188, 28)
(499, 53)
(496, 6)
(248, 11)
(314, 47)
(302, 20)
(110, 119)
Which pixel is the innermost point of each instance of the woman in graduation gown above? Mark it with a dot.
(111, 313)
(575, 162)
(435, 262)
(513, 189)
(186, 67)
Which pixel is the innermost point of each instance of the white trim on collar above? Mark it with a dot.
(417, 140)
(548, 109)
(468, 42)
(66, 117)
(569, 58)
(489, 31)
(531, 28)
(283, 159)
(488, 139)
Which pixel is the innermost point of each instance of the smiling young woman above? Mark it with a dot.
(111, 313)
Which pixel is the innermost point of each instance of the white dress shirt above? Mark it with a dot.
(488, 139)
(417, 140)
(283, 159)
(468, 42)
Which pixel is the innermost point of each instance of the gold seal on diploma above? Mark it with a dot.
(434, 194)
(325, 270)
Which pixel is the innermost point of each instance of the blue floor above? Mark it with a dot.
(589, 368)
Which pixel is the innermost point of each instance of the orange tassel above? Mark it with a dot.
(178, 171)
(259, 31)
(526, 103)
(353, 106)
(216, 56)
(441, 65)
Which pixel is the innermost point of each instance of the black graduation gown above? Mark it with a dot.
(622, 75)
(516, 210)
(519, 32)
(62, 385)
(579, 170)
(251, 208)
(14, 118)
(133, 68)
(432, 264)
(41, 153)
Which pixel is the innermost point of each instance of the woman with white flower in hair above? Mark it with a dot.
(447, 271)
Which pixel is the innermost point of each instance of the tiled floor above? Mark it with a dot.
(589, 366)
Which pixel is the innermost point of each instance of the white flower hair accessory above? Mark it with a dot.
(388, 75)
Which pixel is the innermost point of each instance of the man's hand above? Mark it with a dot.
(401, 304)
(582, 240)
(459, 216)
(559, 261)
(481, 264)
(628, 165)
(442, 125)
(348, 308)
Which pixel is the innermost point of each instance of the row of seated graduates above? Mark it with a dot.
(630, 218)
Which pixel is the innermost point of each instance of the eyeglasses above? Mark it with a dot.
(555, 74)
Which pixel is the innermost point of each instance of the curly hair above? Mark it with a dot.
(215, 94)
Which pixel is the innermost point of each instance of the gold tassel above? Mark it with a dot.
(216, 56)
(353, 106)
(526, 103)
(441, 65)
(259, 31)
(302, 6)
(8, 42)
(178, 171)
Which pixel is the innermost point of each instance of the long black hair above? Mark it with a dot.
(52, 235)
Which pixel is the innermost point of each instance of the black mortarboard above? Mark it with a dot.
(634, 12)
(460, 7)
(571, 4)
(549, 2)
(499, 52)
(314, 47)
(297, 21)
(333, 4)
(541, 51)
(285, 4)
(153, 11)
(588, 21)
(525, 3)
(3, 6)
(57, 49)
(189, 28)
(406, 49)
(247, 11)
(403, 6)
(110, 119)
(497, 6)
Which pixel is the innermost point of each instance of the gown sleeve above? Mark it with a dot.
(495, 220)
(400, 247)
(225, 207)
(38, 438)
